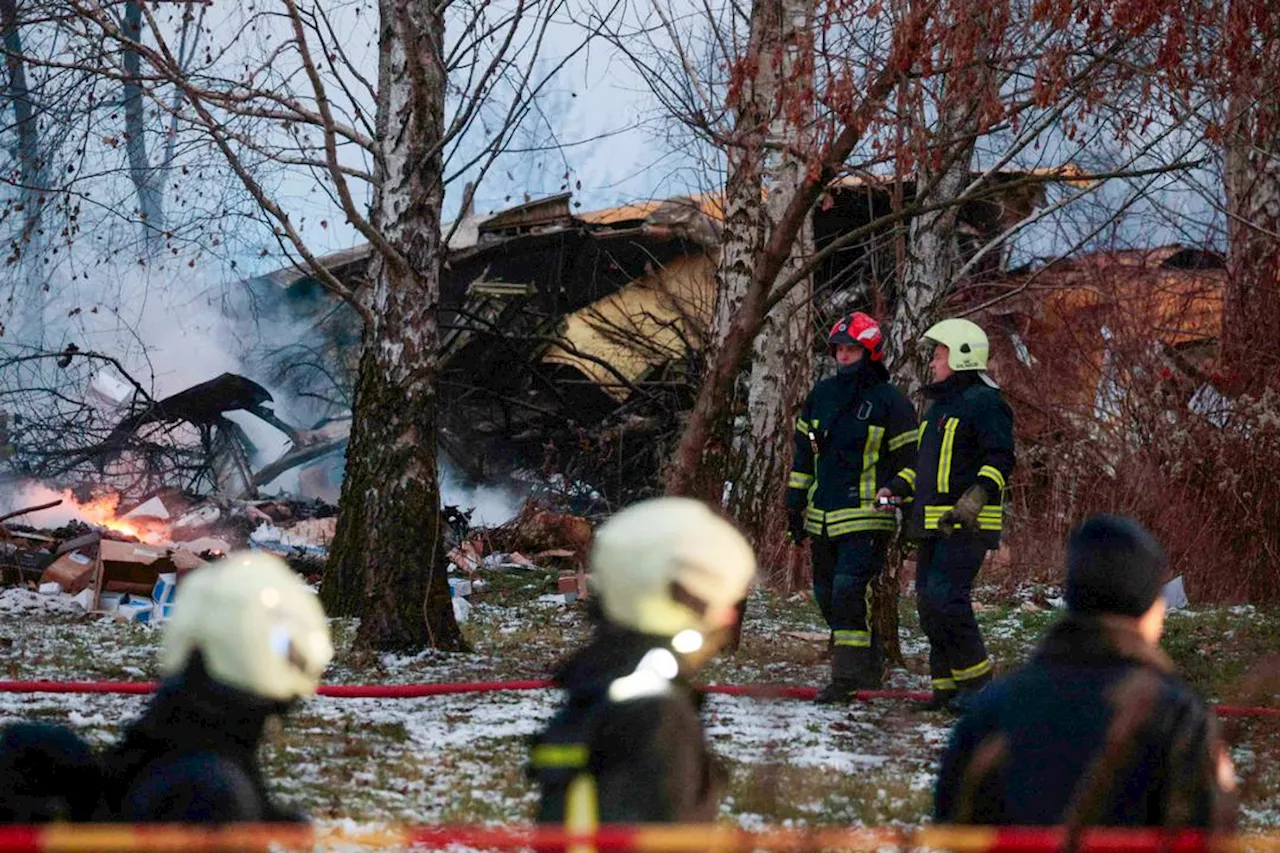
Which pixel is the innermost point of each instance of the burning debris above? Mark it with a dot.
(110, 555)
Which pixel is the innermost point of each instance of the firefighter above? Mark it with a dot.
(246, 641)
(855, 432)
(965, 455)
(628, 744)
(47, 773)
(1095, 729)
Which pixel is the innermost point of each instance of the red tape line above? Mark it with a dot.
(410, 691)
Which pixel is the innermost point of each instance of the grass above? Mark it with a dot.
(462, 758)
(779, 793)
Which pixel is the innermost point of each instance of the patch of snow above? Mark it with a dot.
(17, 601)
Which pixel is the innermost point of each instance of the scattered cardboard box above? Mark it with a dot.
(572, 584)
(73, 571)
(165, 588)
(135, 611)
(109, 602)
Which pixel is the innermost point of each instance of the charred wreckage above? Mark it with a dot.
(570, 347)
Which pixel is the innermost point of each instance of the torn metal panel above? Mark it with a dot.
(538, 215)
(201, 405)
(552, 321)
(656, 319)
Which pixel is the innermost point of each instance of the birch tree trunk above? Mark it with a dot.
(1250, 340)
(933, 252)
(684, 474)
(31, 173)
(146, 179)
(781, 369)
(741, 238)
(387, 564)
(746, 461)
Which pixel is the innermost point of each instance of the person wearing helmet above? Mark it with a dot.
(957, 488)
(628, 744)
(246, 641)
(854, 433)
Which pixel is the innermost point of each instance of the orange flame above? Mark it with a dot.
(101, 512)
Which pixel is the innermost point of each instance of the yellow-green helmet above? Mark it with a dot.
(669, 565)
(967, 343)
(256, 625)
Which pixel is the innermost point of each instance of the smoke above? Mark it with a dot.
(491, 504)
(100, 511)
(21, 495)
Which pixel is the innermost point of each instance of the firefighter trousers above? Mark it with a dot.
(945, 571)
(843, 571)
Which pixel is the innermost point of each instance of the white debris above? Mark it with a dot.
(16, 601)
(1175, 594)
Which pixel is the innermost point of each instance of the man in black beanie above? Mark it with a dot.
(1095, 729)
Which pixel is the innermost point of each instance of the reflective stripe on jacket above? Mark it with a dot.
(853, 434)
(965, 438)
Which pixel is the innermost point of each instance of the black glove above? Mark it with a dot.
(964, 515)
(795, 526)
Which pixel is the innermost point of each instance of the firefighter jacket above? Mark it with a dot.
(1094, 730)
(198, 741)
(855, 432)
(47, 773)
(965, 438)
(628, 745)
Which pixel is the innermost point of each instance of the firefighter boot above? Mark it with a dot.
(967, 693)
(940, 700)
(850, 672)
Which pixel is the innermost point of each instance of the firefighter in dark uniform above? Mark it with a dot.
(1095, 729)
(628, 745)
(247, 640)
(956, 492)
(855, 432)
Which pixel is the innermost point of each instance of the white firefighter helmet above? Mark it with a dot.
(256, 625)
(965, 341)
(670, 565)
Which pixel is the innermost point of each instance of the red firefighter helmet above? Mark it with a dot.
(858, 329)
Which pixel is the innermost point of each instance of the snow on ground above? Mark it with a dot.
(18, 602)
(462, 758)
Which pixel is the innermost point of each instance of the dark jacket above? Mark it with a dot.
(1095, 730)
(965, 438)
(854, 433)
(193, 756)
(641, 753)
(47, 773)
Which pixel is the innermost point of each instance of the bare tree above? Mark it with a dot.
(1251, 321)
(300, 103)
(145, 179)
(780, 365)
(28, 154)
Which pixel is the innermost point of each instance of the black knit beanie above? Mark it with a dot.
(1113, 566)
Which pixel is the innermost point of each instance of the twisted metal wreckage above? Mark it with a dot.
(570, 342)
